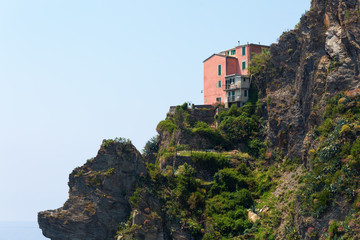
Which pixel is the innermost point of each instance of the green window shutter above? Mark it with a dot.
(219, 70)
(233, 52)
(219, 84)
(243, 65)
(243, 51)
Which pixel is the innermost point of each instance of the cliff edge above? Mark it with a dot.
(98, 196)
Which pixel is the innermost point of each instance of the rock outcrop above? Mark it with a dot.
(316, 59)
(98, 196)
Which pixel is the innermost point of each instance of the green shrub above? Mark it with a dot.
(328, 152)
(150, 149)
(196, 200)
(228, 179)
(260, 63)
(243, 169)
(110, 172)
(256, 147)
(355, 149)
(181, 117)
(238, 129)
(322, 202)
(166, 126)
(184, 106)
(135, 198)
(226, 201)
(205, 132)
(212, 162)
(212, 236)
(326, 127)
(228, 211)
(108, 142)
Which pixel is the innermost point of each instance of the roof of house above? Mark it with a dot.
(220, 55)
(236, 74)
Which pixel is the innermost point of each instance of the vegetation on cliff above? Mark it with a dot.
(283, 166)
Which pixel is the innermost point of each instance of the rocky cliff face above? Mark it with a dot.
(98, 196)
(316, 59)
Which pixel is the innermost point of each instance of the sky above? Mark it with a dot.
(75, 72)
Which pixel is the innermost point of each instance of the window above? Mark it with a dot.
(219, 84)
(219, 70)
(245, 93)
(233, 52)
(244, 65)
(243, 51)
(218, 99)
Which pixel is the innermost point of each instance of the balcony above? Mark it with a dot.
(232, 99)
(232, 86)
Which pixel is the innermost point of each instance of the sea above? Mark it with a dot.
(20, 231)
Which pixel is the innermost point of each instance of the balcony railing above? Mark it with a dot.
(234, 99)
(232, 86)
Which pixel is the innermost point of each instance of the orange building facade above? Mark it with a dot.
(226, 77)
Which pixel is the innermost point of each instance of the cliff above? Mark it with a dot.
(284, 166)
(98, 196)
(315, 60)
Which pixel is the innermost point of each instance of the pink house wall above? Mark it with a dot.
(212, 78)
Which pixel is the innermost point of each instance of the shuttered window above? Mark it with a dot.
(219, 70)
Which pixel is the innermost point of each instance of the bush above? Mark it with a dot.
(326, 127)
(228, 179)
(238, 129)
(256, 147)
(260, 63)
(227, 201)
(212, 236)
(110, 172)
(108, 142)
(205, 132)
(243, 169)
(355, 149)
(228, 210)
(166, 126)
(181, 117)
(212, 162)
(151, 148)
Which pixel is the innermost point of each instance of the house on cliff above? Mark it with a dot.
(226, 75)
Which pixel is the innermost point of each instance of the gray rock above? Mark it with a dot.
(98, 196)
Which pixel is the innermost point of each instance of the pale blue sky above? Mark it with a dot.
(75, 72)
